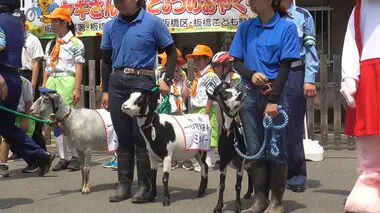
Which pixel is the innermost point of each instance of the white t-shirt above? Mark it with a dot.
(26, 94)
(32, 49)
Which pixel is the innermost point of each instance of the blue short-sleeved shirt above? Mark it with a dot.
(135, 44)
(263, 47)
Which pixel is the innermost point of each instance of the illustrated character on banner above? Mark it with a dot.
(360, 88)
(46, 6)
(40, 8)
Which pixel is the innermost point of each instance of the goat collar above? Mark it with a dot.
(149, 120)
(60, 120)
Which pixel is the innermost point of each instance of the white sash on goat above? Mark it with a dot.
(196, 129)
(111, 136)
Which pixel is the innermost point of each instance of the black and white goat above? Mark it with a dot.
(164, 139)
(230, 100)
(83, 128)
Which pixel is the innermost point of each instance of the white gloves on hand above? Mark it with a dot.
(348, 90)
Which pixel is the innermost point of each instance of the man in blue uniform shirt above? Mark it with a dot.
(300, 86)
(11, 43)
(129, 47)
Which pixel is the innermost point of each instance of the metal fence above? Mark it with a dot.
(322, 21)
(326, 113)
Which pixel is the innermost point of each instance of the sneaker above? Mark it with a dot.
(114, 165)
(175, 165)
(108, 164)
(187, 165)
(4, 170)
(31, 168)
(61, 165)
(73, 165)
(45, 163)
(13, 157)
(197, 167)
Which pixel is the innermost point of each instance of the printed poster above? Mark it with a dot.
(181, 16)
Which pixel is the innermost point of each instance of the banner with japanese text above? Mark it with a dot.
(181, 16)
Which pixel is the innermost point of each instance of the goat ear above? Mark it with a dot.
(56, 99)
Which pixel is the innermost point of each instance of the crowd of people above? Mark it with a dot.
(273, 56)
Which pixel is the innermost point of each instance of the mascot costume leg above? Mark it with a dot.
(361, 89)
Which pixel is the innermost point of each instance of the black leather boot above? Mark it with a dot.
(260, 176)
(278, 176)
(126, 166)
(143, 195)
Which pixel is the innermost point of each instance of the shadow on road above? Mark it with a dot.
(313, 184)
(333, 191)
(179, 194)
(289, 205)
(176, 194)
(11, 202)
(17, 174)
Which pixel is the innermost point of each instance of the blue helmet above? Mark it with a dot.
(8, 2)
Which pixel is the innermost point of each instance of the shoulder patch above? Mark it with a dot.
(303, 11)
(75, 41)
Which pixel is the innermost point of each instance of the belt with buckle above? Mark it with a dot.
(297, 64)
(132, 71)
(61, 74)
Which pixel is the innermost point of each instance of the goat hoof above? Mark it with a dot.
(237, 209)
(86, 190)
(166, 202)
(247, 195)
(201, 193)
(218, 209)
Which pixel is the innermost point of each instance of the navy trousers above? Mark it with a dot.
(19, 142)
(294, 131)
(120, 88)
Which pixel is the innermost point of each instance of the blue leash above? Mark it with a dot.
(268, 125)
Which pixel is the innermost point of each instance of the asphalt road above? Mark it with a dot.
(329, 183)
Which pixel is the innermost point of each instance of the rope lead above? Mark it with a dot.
(268, 125)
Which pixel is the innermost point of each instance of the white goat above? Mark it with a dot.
(164, 139)
(83, 128)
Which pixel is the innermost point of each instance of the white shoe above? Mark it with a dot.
(197, 167)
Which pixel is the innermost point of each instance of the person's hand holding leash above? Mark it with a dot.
(348, 90)
(3, 88)
(271, 110)
(164, 88)
(310, 90)
(259, 79)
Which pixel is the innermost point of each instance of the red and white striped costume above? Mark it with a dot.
(361, 89)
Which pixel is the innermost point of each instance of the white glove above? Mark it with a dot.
(348, 90)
